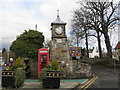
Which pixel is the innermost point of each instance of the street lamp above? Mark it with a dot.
(7, 51)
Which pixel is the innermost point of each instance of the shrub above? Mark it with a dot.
(42, 74)
(49, 67)
(18, 63)
(19, 77)
(54, 65)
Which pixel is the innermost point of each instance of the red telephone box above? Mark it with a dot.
(43, 59)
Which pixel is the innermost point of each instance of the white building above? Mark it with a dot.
(93, 53)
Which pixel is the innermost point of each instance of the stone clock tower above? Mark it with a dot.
(59, 46)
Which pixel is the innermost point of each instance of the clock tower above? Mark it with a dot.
(59, 46)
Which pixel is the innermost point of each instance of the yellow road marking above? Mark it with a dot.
(90, 83)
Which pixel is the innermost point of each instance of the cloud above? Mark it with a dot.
(19, 15)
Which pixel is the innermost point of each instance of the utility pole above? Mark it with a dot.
(8, 54)
(36, 27)
(7, 51)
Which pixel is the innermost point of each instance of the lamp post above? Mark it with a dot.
(8, 55)
(7, 50)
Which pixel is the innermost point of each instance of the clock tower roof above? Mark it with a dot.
(58, 20)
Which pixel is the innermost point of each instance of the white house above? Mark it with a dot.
(93, 53)
(117, 51)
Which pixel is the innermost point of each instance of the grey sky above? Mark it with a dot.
(19, 15)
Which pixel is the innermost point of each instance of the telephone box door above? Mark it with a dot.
(43, 59)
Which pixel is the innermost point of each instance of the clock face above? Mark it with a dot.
(59, 30)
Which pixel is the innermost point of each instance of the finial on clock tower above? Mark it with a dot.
(57, 13)
(58, 20)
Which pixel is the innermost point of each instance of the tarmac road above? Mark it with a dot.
(107, 77)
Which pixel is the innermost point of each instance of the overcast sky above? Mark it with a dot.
(19, 15)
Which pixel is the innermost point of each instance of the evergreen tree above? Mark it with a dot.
(27, 44)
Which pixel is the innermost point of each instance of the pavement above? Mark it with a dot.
(39, 85)
(63, 84)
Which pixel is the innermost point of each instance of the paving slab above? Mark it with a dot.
(63, 84)
(69, 84)
(32, 85)
(39, 84)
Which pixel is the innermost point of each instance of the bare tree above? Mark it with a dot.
(79, 27)
(94, 24)
(106, 12)
(99, 16)
(84, 22)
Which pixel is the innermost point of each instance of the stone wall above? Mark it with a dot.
(82, 70)
(34, 70)
(61, 55)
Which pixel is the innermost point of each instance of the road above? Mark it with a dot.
(107, 77)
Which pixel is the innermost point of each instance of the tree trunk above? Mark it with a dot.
(108, 46)
(86, 37)
(99, 44)
(77, 41)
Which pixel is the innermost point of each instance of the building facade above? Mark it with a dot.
(93, 53)
(117, 51)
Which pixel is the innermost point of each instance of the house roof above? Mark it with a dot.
(117, 46)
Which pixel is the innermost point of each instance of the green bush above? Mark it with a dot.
(51, 67)
(113, 63)
(19, 77)
(42, 74)
(54, 65)
(18, 63)
(108, 62)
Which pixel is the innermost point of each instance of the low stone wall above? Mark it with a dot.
(34, 70)
(82, 70)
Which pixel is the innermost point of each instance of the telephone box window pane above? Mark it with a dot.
(43, 58)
